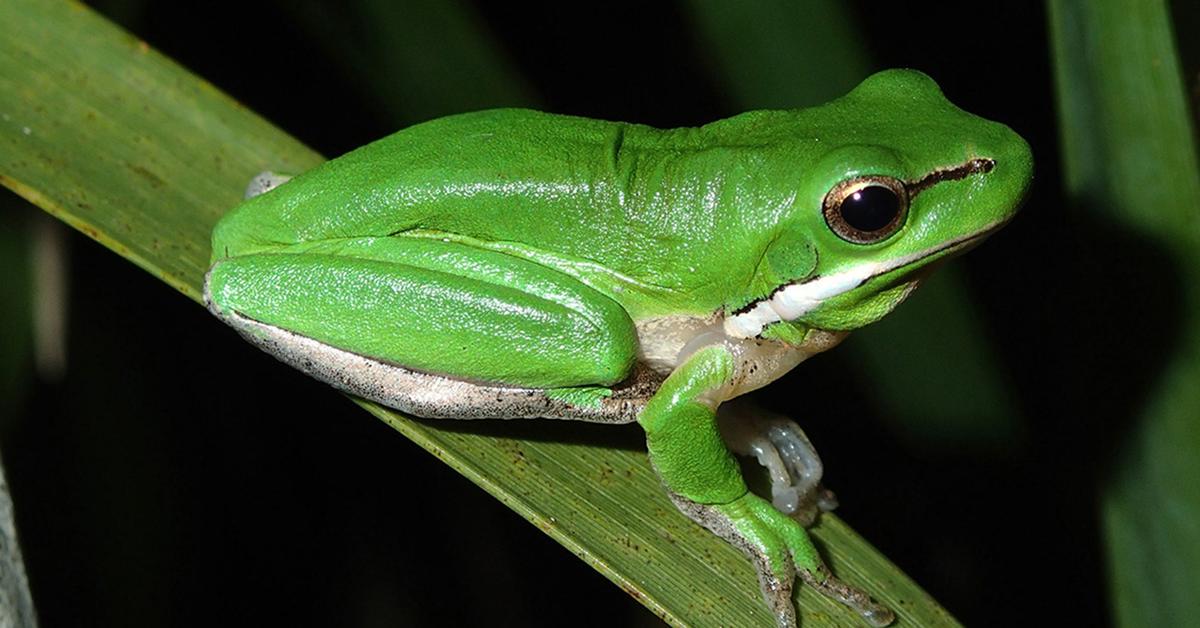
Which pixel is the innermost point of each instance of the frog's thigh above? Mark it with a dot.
(437, 307)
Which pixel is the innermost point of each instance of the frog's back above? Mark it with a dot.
(507, 174)
(472, 174)
(643, 214)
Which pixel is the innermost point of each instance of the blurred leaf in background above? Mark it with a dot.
(16, 307)
(775, 54)
(1133, 180)
(417, 59)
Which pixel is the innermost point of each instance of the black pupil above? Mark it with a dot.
(871, 208)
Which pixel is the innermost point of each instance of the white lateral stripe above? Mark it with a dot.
(797, 300)
(750, 324)
(801, 298)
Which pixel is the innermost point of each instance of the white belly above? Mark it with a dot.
(664, 343)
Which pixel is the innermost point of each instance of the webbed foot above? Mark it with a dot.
(780, 550)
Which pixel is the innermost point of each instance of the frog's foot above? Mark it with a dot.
(856, 599)
(789, 457)
(264, 182)
(779, 547)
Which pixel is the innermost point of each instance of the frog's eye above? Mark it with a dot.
(866, 210)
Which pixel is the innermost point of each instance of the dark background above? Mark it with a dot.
(156, 486)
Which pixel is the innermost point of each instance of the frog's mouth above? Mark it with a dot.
(793, 300)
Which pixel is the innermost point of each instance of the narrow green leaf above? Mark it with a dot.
(1130, 164)
(779, 54)
(124, 145)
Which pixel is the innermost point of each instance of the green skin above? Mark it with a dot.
(528, 250)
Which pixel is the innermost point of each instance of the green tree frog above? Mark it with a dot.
(517, 264)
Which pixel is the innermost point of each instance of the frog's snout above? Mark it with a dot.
(1013, 172)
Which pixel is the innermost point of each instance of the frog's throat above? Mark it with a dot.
(793, 300)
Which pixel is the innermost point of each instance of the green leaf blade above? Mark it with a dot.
(1130, 165)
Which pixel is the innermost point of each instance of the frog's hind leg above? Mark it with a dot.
(439, 309)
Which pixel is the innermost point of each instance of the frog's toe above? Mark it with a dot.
(264, 182)
(737, 524)
(854, 598)
(776, 588)
(805, 507)
(781, 550)
(825, 499)
(784, 450)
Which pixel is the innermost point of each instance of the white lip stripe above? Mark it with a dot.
(750, 324)
(798, 299)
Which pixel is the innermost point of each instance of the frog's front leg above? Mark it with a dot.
(687, 450)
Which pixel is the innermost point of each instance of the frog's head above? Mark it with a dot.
(907, 180)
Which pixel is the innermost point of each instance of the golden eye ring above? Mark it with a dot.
(866, 210)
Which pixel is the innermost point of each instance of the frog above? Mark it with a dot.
(511, 263)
